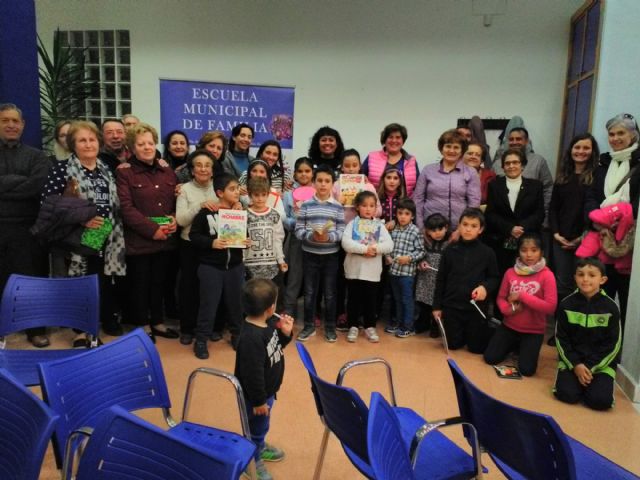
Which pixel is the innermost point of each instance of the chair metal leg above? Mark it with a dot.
(321, 454)
(370, 361)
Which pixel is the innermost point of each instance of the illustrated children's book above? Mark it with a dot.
(232, 227)
(350, 186)
(365, 231)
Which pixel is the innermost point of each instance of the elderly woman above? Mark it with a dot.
(392, 139)
(194, 196)
(86, 187)
(474, 157)
(147, 201)
(616, 174)
(326, 149)
(449, 186)
(237, 159)
(515, 205)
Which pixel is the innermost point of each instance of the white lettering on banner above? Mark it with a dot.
(223, 94)
(224, 110)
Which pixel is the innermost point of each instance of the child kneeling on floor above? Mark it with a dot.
(260, 363)
(588, 337)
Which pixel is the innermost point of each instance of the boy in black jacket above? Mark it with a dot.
(468, 271)
(588, 338)
(221, 271)
(260, 363)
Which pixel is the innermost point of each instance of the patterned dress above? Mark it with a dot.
(426, 279)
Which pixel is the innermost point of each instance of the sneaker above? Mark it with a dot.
(262, 472)
(341, 323)
(306, 332)
(200, 349)
(404, 333)
(186, 338)
(40, 341)
(392, 329)
(330, 335)
(352, 336)
(215, 336)
(271, 453)
(372, 335)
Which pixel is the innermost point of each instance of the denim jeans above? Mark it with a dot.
(320, 268)
(402, 290)
(259, 425)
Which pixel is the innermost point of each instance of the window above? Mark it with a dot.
(107, 56)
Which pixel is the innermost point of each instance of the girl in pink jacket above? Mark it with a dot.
(527, 295)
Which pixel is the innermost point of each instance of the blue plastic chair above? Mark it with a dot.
(29, 302)
(125, 446)
(343, 412)
(525, 444)
(26, 425)
(128, 372)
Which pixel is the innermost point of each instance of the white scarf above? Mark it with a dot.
(618, 168)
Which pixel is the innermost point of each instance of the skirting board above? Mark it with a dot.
(628, 384)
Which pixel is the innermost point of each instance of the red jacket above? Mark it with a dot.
(538, 298)
(145, 191)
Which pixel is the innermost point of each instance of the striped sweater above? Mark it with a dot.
(315, 215)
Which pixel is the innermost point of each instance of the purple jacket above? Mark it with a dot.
(446, 193)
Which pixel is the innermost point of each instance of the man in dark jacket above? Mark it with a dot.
(23, 171)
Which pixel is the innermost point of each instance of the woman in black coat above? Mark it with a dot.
(515, 205)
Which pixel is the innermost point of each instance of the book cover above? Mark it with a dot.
(508, 371)
(350, 186)
(365, 231)
(232, 227)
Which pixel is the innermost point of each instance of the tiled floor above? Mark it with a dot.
(422, 382)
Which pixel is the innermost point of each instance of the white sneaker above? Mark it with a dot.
(352, 336)
(372, 335)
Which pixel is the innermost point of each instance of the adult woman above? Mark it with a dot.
(176, 150)
(566, 210)
(515, 205)
(215, 143)
(611, 185)
(449, 186)
(61, 149)
(85, 181)
(194, 196)
(473, 157)
(147, 200)
(237, 158)
(326, 148)
(271, 152)
(392, 139)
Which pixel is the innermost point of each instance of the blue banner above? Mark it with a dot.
(198, 107)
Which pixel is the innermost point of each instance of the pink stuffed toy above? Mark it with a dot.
(613, 243)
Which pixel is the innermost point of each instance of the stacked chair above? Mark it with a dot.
(528, 445)
(30, 302)
(127, 372)
(431, 454)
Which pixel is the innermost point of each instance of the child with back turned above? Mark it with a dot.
(260, 363)
(468, 273)
(588, 337)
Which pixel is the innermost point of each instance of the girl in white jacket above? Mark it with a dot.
(365, 239)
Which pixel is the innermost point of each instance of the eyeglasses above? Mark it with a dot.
(512, 162)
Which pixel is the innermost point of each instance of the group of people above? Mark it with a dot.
(464, 239)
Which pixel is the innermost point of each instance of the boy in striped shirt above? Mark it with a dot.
(319, 227)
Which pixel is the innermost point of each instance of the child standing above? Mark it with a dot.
(526, 296)
(319, 226)
(436, 234)
(408, 249)
(260, 364)
(265, 257)
(221, 271)
(365, 240)
(260, 169)
(391, 190)
(468, 271)
(292, 200)
(588, 337)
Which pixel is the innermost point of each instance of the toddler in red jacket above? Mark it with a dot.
(527, 295)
